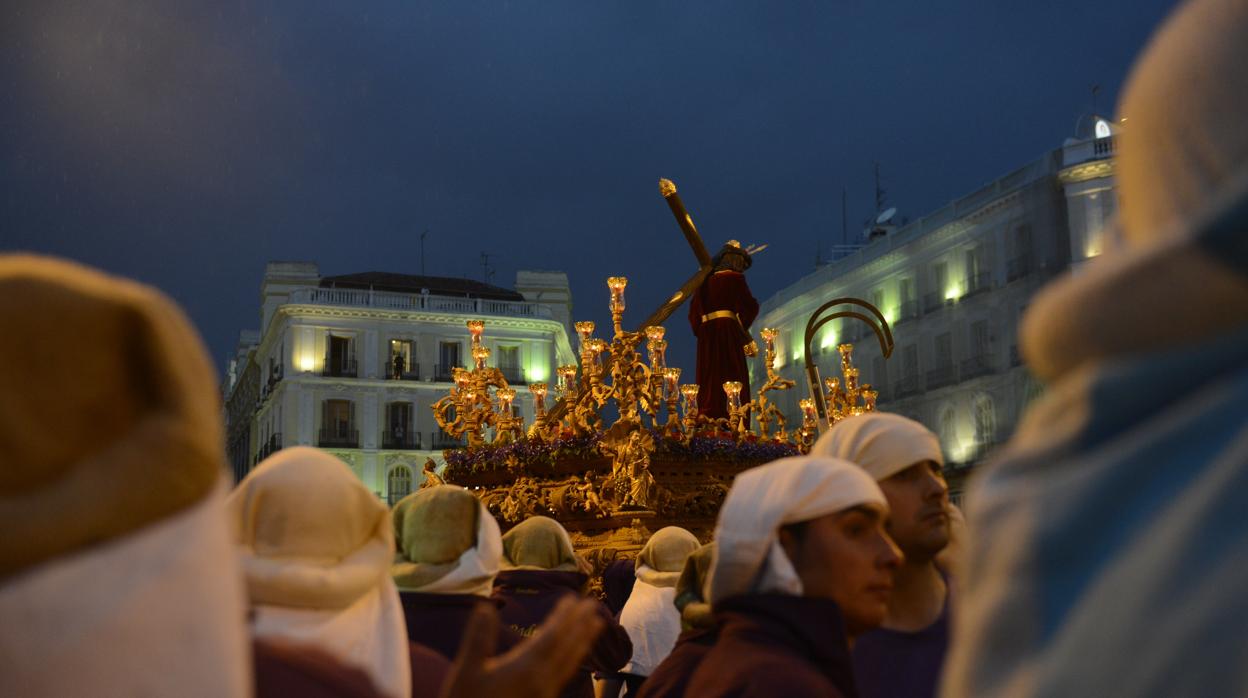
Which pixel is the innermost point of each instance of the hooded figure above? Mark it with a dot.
(449, 552)
(801, 565)
(539, 568)
(904, 656)
(1109, 535)
(720, 313)
(698, 631)
(650, 616)
(316, 547)
(117, 574)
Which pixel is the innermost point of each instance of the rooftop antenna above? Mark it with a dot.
(879, 191)
(486, 272)
(422, 251)
(844, 220)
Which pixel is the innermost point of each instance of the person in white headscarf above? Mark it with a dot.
(649, 615)
(1109, 535)
(802, 566)
(117, 574)
(316, 547)
(904, 656)
(449, 551)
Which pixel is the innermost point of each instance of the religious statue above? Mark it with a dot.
(432, 479)
(591, 501)
(720, 313)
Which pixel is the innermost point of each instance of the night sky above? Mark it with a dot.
(187, 144)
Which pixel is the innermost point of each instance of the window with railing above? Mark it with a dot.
(398, 484)
(402, 362)
(448, 361)
(340, 357)
(509, 364)
(338, 425)
(399, 432)
(442, 440)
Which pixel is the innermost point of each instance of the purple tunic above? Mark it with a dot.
(438, 621)
(528, 597)
(776, 645)
(894, 664)
(670, 679)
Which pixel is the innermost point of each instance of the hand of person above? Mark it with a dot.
(536, 668)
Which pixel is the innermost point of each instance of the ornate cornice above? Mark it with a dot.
(452, 319)
(1085, 171)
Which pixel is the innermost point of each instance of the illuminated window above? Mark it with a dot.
(398, 483)
(1102, 129)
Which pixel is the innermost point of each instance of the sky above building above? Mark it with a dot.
(186, 144)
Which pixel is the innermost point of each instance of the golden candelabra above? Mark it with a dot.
(538, 390)
(738, 414)
(767, 411)
(468, 410)
(617, 285)
(849, 398)
(671, 388)
(810, 425)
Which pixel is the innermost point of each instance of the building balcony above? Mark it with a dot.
(513, 374)
(940, 377)
(408, 373)
(338, 437)
(417, 302)
(976, 366)
(342, 368)
(1016, 358)
(401, 440)
(908, 310)
(933, 302)
(1018, 267)
(979, 283)
(268, 448)
(442, 440)
(907, 386)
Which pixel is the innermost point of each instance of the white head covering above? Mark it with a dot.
(316, 547)
(748, 556)
(448, 541)
(882, 443)
(649, 616)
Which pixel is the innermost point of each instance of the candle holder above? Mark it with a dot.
(671, 382)
(567, 382)
(475, 328)
(810, 425)
(617, 285)
(690, 392)
(736, 411)
(767, 411)
(480, 354)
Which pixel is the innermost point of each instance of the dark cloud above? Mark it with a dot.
(186, 144)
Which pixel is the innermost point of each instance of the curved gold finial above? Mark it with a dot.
(667, 187)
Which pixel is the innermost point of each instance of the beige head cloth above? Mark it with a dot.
(109, 415)
(448, 542)
(882, 443)
(313, 536)
(748, 556)
(540, 543)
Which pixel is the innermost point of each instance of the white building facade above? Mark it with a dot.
(351, 364)
(953, 286)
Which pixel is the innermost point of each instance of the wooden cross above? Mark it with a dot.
(668, 189)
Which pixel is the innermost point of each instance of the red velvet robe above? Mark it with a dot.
(721, 342)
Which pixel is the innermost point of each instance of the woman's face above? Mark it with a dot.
(847, 557)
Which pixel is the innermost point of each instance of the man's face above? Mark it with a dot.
(919, 502)
(847, 557)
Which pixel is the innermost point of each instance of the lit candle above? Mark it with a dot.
(480, 354)
(851, 381)
(868, 399)
(461, 378)
(505, 396)
(475, 328)
(567, 379)
(832, 384)
(658, 354)
(769, 337)
(672, 376)
(585, 328)
(733, 390)
(539, 398)
(690, 391)
(655, 332)
(847, 351)
(617, 284)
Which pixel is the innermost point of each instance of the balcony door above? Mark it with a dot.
(399, 424)
(340, 356)
(448, 358)
(402, 358)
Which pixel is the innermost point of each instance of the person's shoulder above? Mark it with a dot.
(284, 668)
(757, 671)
